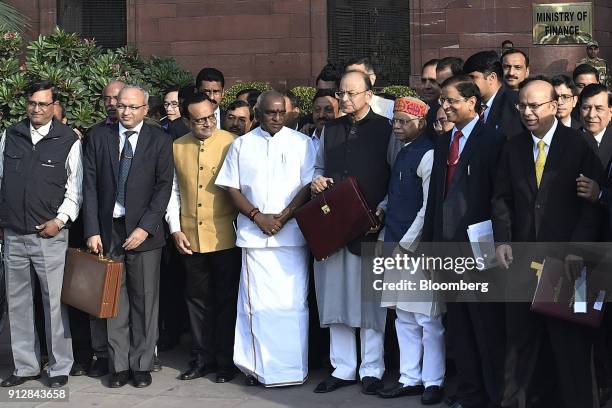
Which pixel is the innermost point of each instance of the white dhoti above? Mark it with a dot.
(272, 321)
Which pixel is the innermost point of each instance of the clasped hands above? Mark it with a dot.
(271, 224)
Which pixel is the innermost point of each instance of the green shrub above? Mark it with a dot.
(232, 91)
(305, 93)
(399, 91)
(80, 69)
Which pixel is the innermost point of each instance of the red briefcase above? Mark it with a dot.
(335, 217)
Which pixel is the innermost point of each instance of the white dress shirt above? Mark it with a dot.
(489, 104)
(547, 140)
(73, 197)
(269, 171)
(316, 139)
(466, 132)
(218, 118)
(119, 210)
(598, 137)
(382, 106)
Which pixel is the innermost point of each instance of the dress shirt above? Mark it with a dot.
(269, 171)
(466, 131)
(119, 210)
(547, 140)
(173, 211)
(489, 104)
(316, 139)
(599, 136)
(73, 197)
(568, 121)
(218, 118)
(382, 106)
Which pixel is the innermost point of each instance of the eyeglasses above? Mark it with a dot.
(401, 122)
(450, 101)
(565, 98)
(173, 104)
(41, 105)
(522, 107)
(202, 121)
(122, 107)
(350, 94)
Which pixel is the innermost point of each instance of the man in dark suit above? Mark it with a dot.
(460, 194)
(535, 201)
(595, 103)
(125, 198)
(498, 110)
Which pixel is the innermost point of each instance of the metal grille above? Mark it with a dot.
(104, 20)
(377, 29)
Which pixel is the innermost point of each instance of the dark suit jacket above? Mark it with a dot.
(149, 184)
(552, 213)
(468, 200)
(604, 150)
(503, 115)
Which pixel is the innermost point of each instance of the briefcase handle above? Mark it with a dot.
(100, 255)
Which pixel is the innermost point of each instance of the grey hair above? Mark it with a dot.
(138, 88)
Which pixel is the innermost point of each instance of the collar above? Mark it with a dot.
(467, 129)
(364, 119)
(43, 130)
(548, 136)
(600, 136)
(136, 128)
(568, 123)
(491, 99)
(265, 134)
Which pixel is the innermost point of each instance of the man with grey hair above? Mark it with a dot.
(123, 208)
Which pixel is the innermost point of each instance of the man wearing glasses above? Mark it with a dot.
(212, 82)
(40, 193)
(353, 145)
(535, 200)
(128, 171)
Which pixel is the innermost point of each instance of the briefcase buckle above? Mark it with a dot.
(325, 209)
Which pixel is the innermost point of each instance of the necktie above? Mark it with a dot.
(453, 159)
(483, 118)
(124, 166)
(540, 162)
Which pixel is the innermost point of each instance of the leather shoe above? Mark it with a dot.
(58, 381)
(142, 379)
(400, 390)
(432, 395)
(371, 385)
(119, 379)
(332, 383)
(157, 366)
(197, 371)
(225, 376)
(99, 367)
(14, 380)
(77, 370)
(251, 381)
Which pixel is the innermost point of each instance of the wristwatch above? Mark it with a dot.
(60, 224)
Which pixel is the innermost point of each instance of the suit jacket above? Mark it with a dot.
(604, 150)
(552, 213)
(149, 184)
(468, 200)
(503, 115)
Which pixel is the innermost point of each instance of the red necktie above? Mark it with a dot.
(453, 159)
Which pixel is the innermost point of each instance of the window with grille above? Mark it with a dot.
(377, 29)
(104, 20)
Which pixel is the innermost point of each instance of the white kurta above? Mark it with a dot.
(272, 319)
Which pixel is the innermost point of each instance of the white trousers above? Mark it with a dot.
(343, 352)
(420, 337)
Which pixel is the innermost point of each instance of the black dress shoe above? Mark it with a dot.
(400, 390)
(119, 379)
(371, 385)
(142, 379)
(157, 366)
(197, 371)
(251, 381)
(332, 383)
(77, 370)
(225, 376)
(14, 380)
(99, 367)
(432, 395)
(58, 381)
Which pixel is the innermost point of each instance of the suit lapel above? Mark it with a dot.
(140, 154)
(495, 108)
(554, 158)
(468, 151)
(112, 139)
(605, 147)
(526, 154)
(444, 149)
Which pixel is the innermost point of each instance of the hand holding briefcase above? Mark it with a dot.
(92, 283)
(335, 217)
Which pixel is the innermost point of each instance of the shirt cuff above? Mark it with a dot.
(174, 226)
(63, 217)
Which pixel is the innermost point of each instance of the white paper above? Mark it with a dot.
(601, 296)
(482, 242)
(580, 299)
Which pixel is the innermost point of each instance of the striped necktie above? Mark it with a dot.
(124, 166)
(540, 162)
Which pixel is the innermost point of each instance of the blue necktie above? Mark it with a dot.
(124, 166)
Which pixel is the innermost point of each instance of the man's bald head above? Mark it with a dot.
(110, 94)
(537, 105)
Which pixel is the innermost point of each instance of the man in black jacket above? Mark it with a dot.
(125, 197)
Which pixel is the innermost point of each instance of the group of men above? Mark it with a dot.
(484, 142)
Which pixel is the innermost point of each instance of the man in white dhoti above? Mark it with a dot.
(420, 332)
(267, 173)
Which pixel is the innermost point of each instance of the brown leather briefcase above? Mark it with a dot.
(554, 296)
(335, 217)
(92, 283)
